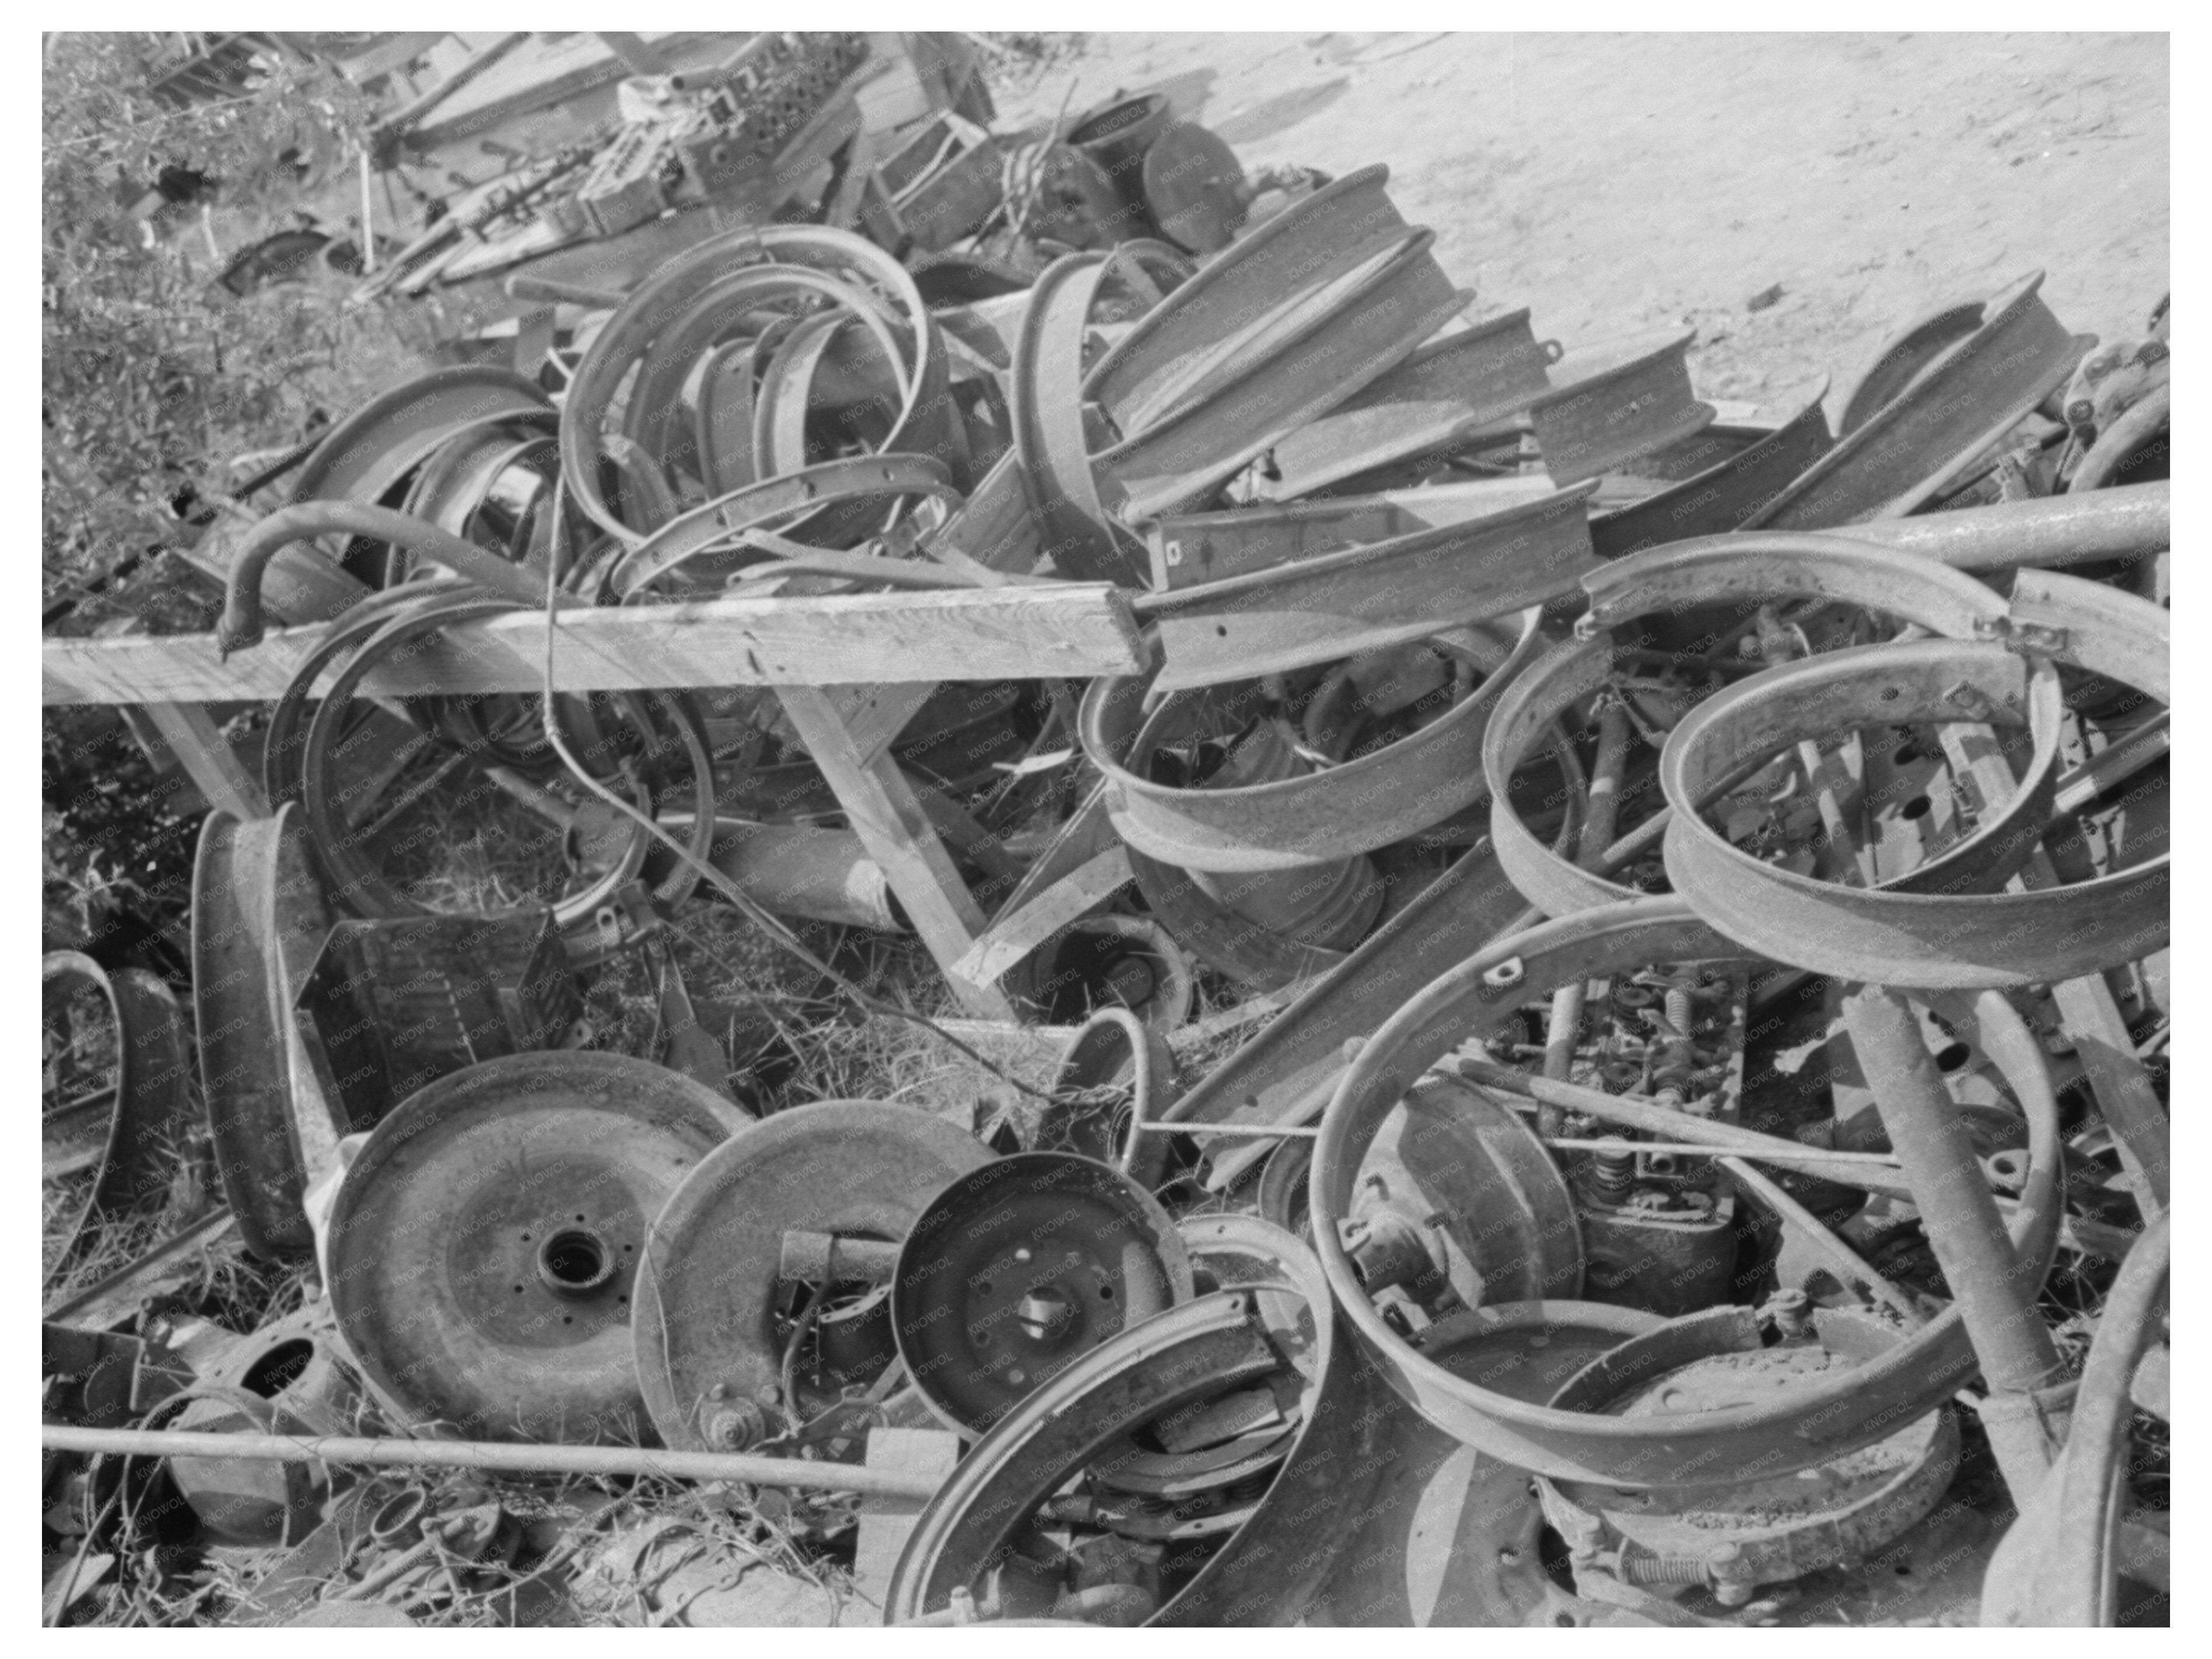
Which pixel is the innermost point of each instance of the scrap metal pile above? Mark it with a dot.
(1710, 1164)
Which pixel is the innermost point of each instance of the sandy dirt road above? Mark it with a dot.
(1618, 183)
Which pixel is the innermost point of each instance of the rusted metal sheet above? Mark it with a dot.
(1341, 604)
(1426, 406)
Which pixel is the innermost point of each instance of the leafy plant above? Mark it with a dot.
(153, 376)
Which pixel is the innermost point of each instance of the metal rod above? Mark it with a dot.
(1707, 1150)
(751, 1469)
(1814, 1232)
(368, 222)
(526, 285)
(1706, 1132)
(1233, 1131)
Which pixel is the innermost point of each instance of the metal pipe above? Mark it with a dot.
(753, 1470)
(241, 623)
(2057, 1566)
(1600, 817)
(549, 291)
(2133, 521)
(1960, 1218)
(1706, 1149)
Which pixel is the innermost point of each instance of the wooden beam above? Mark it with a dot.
(928, 1454)
(898, 835)
(1013, 937)
(637, 57)
(208, 761)
(194, 741)
(1068, 631)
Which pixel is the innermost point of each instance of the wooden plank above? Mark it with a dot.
(208, 759)
(1010, 938)
(545, 73)
(898, 835)
(886, 1522)
(856, 165)
(194, 742)
(1068, 631)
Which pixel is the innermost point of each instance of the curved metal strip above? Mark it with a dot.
(241, 624)
(372, 448)
(139, 1135)
(1722, 497)
(1426, 406)
(1046, 395)
(722, 426)
(257, 920)
(1964, 400)
(1748, 570)
(1316, 818)
(630, 332)
(1943, 939)
(1609, 405)
(1902, 355)
(1199, 330)
(704, 531)
(1328, 345)
(1253, 955)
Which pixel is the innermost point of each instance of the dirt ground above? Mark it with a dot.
(1618, 183)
